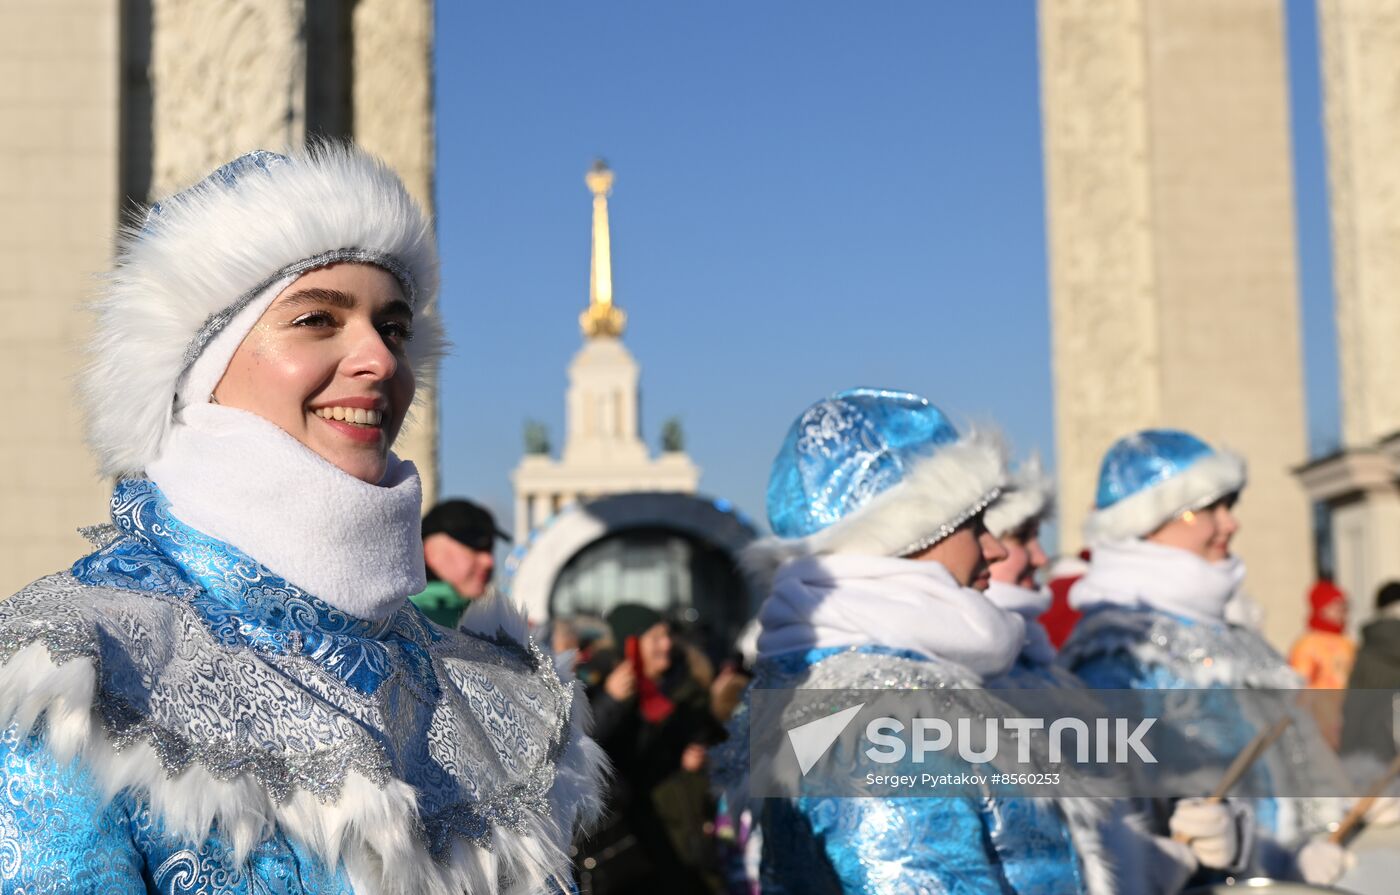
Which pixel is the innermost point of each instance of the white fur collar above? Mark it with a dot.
(236, 477)
(901, 603)
(1030, 604)
(1141, 574)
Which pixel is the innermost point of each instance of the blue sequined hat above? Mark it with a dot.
(877, 472)
(1150, 477)
(206, 259)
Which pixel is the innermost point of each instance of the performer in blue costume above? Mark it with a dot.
(233, 694)
(1015, 518)
(878, 563)
(1156, 600)
(1128, 859)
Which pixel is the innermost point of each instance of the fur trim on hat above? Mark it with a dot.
(938, 494)
(1030, 495)
(1137, 515)
(210, 249)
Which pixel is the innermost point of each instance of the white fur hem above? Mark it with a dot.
(1029, 496)
(368, 829)
(938, 494)
(1204, 482)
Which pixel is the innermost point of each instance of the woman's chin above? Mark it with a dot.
(366, 469)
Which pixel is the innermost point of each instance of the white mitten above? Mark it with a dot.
(1209, 829)
(1323, 863)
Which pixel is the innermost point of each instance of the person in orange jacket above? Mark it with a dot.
(1323, 655)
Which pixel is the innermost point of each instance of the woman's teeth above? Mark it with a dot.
(350, 415)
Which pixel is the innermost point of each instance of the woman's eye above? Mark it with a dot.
(398, 332)
(315, 318)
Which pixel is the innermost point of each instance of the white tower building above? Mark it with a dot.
(603, 450)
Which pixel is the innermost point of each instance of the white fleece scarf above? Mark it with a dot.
(850, 600)
(241, 479)
(1030, 605)
(1141, 574)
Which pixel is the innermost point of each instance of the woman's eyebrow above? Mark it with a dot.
(397, 308)
(319, 296)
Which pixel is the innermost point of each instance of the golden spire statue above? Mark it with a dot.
(602, 318)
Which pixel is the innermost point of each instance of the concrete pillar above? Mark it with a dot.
(59, 158)
(1173, 266)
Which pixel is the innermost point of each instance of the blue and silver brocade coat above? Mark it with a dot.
(1121, 648)
(244, 737)
(930, 846)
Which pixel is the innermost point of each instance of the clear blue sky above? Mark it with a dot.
(809, 196)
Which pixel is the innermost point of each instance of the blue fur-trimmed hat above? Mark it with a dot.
(876, 472)
(206, 261)
(1150, 477)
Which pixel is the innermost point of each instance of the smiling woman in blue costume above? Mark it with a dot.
(1156, 600)
(233, 694)
(877, 564)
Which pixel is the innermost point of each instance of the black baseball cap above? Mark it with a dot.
(463, 521)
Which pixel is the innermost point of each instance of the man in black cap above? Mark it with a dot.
(459, 538)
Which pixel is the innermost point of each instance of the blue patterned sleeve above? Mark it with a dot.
(57, 833)
(892, 845)
(1121, 671)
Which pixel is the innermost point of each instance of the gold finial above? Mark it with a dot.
(602, 318)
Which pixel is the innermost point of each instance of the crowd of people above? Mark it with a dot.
(271, 675)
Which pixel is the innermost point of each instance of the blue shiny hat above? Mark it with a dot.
(1150, 477)
(877, 471)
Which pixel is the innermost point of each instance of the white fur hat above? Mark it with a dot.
(1030, 495)
(224, 246)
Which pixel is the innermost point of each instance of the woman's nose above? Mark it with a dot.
(993, 550)
(371, 357)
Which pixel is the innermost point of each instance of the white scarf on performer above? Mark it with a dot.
(849, 600)
(239, 478)
(1030, 604)
(1141, 574)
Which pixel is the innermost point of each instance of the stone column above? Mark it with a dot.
(1360, 48)
(225, 78)
(59, 156)
(393, 118)
(522, 518)
(1172, 255)
(541, 508)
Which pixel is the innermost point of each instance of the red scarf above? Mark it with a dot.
(654, 705)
